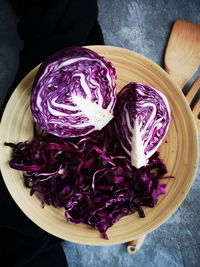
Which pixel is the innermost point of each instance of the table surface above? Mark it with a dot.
(142, 26)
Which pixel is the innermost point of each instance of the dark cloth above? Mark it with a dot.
(45, 26)
(49, 25)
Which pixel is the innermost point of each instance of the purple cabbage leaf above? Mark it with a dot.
(74, 93)
(142, 118)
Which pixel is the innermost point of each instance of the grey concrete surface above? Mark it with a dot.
(142, 26)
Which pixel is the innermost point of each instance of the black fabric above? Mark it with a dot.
(50, 25)
(45, 26)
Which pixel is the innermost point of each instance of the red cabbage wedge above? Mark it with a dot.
(74, 93)
(142, 118)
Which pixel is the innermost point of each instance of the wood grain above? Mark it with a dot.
(179, 154)
(135, 245)
(182, 56)
(191, 94)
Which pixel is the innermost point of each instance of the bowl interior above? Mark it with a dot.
(179, 154)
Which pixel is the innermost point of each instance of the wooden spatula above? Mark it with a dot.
(182, 59)
(182, 56)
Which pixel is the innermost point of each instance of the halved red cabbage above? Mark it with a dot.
(91, 177)
(142, 118)
(74, 93)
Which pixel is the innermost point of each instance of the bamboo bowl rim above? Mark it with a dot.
(180, 154)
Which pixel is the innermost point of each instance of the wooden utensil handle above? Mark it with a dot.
(178, 79)
(134, 246)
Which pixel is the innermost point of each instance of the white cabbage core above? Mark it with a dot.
(138, 158)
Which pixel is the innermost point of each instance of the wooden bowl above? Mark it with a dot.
(180, 154)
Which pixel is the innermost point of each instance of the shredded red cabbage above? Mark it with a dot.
(91, 177)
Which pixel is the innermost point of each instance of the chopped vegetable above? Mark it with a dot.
(91, 177)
